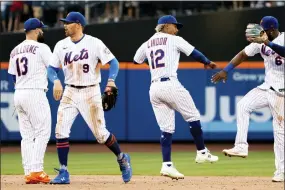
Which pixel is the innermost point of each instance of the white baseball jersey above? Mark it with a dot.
(274, 63)
(28, 61)
(163, 52)
(80, 66)
(79, 60)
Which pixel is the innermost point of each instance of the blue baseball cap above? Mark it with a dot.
(32, 24)
(269, 22)
(169, 19)
(74, 17)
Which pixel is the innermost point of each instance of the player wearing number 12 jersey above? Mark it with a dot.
(167, 94)
(28, 66)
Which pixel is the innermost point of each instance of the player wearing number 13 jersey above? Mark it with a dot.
(79, 56)
(167, 94)
(28, 66)
(268, 94)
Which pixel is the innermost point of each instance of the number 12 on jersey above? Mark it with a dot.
(156, 59)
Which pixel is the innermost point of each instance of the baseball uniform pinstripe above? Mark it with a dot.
(80, 66)
(270, 93)
(28, 61)
(163, 52)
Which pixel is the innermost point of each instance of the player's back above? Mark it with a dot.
(163, 53)
(28, 61)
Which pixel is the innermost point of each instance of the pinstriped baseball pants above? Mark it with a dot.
(255, 99)
(168, 96)
(35, 127)
(88, 103)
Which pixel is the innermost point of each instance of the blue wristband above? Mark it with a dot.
(270, 44)
(229, 67)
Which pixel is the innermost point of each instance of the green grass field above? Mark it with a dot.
(257, 164)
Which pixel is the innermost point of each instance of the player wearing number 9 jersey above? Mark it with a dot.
(167, 94)
(79, 56)
(28, 67)
(269, 94)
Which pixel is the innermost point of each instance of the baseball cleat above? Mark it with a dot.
(235, 152)
(205, 156)
(29, 181)
(278, 178)
(61, 178)
(37, 177)
(168, 170)
(126, 168)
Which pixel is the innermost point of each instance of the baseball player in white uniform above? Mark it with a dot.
(28, 66)
(78, 55)
(167, 94)
(269, 94)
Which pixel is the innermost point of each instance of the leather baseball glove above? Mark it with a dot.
(109, 98)
(255, 33)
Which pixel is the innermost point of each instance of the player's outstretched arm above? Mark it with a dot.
(57, 87)
(222, 75)
(198, 56)
(280, 50)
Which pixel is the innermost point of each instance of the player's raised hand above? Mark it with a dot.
(222, 75)
(57, 90)
(212, 65)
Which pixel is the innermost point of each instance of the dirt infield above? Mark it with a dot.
(150, 183)
(140, 147)
(96, 182)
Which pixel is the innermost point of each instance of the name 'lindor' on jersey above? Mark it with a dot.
(156, 42)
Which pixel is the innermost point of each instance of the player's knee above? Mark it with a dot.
(59, 135)
(167, 129)
(242, 106)
(102, 137)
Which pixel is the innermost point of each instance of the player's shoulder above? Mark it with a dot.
(254, 45)
(279, 38)
(43, 45)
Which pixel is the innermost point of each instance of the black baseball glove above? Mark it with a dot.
(109, 98)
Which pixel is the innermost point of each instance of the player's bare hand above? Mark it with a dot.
(57, 90)
(222, 75)
(109, 85)
(212, 65)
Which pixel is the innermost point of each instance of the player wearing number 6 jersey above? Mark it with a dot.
(78, 55)
(28, 67)
(269, 94)
(167, 94)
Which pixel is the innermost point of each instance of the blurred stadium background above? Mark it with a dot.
(215, 28)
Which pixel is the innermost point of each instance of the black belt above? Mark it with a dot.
(80, 87)
(161, 79)
(272, 88)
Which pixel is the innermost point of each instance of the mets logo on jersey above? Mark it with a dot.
(69, 58)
